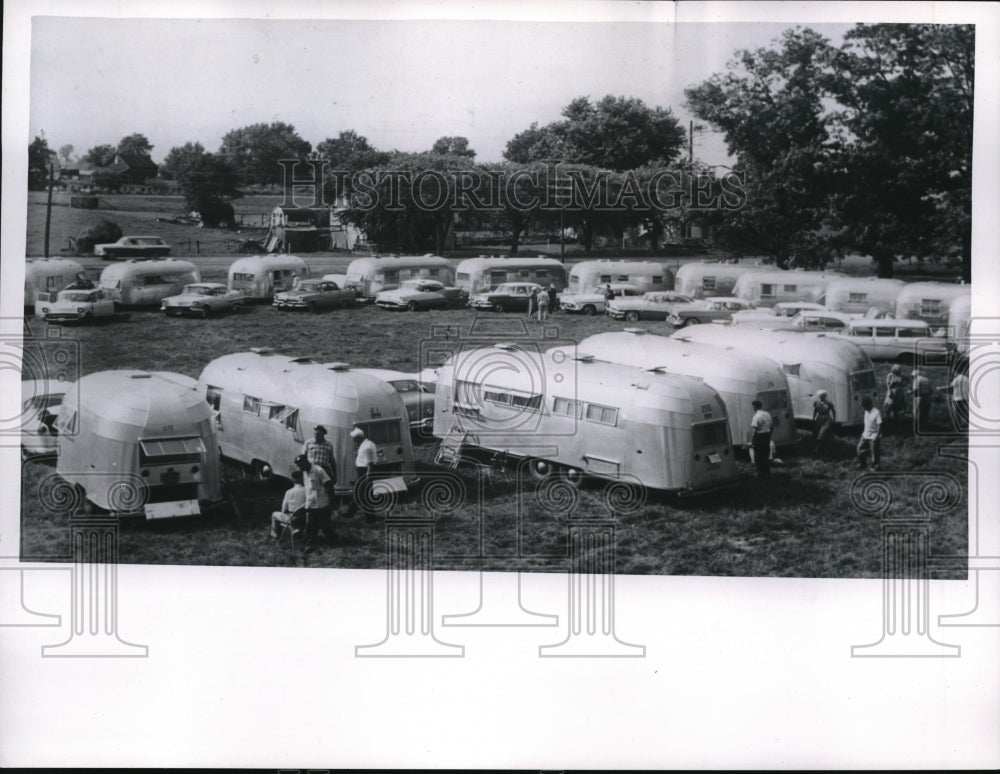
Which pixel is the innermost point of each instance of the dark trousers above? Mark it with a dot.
(362, 497)
(762, 454)
(317, 520)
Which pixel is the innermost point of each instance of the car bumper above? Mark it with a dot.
(62, 317)
(289, 304)
(616, 314)
(395, 305)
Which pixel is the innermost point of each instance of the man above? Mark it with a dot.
(319, 451)
(553, 298)
(532, 302)
(922, 392)
(760, 440)
(959, 389)
(871, 435)
(895, 393)
(824, 417)
(543, 306)
(294, 500)
(319, 496)
(364, 462)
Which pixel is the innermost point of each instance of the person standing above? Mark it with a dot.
(553, 298)
(319, 497)
(543, 306)
(871, 436)
(959, 389)
(895, 393)
(922, 392)
(364, 462)
(532, 302)
(824, 418)
(761, 425)
(319, 451)
(609, 294)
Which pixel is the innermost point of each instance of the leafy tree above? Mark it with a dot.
(135, 144)
(255, 150)
(66, 155)
(100, 156)
(100, 233)
(209, 184)
(350, 152)
(453, 146)
(537, 143)
(181, 159)
(39, 160)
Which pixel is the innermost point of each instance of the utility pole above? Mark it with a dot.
(48, 209)
(690, 142)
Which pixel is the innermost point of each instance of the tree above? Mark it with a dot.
(181, 159)
(100, 156)
(453, 146)
(135, 145)
(350, 152)
(209, 185)
(537, 143)
(255, 150)
(39, 160)
(907, 92)
(66, 155)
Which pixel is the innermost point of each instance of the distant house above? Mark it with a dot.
(306, 229)
(131, 169)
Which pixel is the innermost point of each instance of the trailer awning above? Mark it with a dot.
(170, 447)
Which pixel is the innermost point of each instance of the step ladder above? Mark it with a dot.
(449, 453)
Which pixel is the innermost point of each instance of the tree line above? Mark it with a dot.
(863, 147)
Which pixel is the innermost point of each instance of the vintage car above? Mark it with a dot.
(900, 341)
(595, 301)
(653, 305)
(313, 295)
(719, 308)
(416, 294)
(807, 320)
(40, 404)
(417, 397)
(342, 281)
(73, 305)
(508, 297)
(203, 298)
(133, 247)
(781, 310)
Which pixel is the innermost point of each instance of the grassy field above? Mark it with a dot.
(803, 524)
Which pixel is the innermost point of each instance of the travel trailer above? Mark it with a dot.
(485, 272)
(960, 321)
(48, 275)
(373, 275)
(140, 443)
(266, 406)
(739, 377)
(859, 295)
(261, 276)
(646, 275)
(577, 416)
(929, 301)
(709, 278)
(147, 282)
(766, 288)
(811, 362)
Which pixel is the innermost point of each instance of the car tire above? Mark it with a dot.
(311, 307)
(631, 317)
(590, 310)
(411, 307)
(497, 306)
(690, 321)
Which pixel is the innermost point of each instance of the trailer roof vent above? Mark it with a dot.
(140, 375)
(636, 331)
(584, 358)
(302, 360)
(339, 366)
(262, 350)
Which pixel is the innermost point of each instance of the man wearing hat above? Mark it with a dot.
(366, 458)
(319, 451)
(760, 440)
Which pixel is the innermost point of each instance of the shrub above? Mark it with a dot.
(100, 233)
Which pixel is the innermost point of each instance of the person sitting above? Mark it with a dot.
(293, 505)
(80, 283)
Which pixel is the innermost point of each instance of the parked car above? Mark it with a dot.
(39, 411)
(203, 298)
(346, 284)
(781, 310)
(417, 398)
(416, 294)
(313, 295)
(133, 247)
(807, 320)
(508, 297)
(595, 301)
(895, 340)
(74, 305)
(707, 310)
(654, 305)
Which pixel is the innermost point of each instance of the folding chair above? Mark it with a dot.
(289, 524)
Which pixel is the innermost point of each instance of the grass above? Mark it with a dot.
(803, 524)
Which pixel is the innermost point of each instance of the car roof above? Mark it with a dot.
(886, 322)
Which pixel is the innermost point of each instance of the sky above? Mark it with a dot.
(401, 84)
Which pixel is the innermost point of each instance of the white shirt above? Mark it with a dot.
(367, 454)
(960, 388)
(294, 499)
(314, 480)
(873, 424)
(761, 421)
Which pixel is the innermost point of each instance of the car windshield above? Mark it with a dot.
(311, 287)
(197, 290)
(78, 297)
(406, 385)
(148, 241)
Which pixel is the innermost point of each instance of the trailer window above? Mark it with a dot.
(566, 407)
(605, 278)
(386, 431)
(168, 451)
(523, 273)
(767, 291)
(708, 283)
(792, 369)
(541, 273)
(862, 380)
(251, 405)
(623, 278)
(791, 288)
(533, 402)
(857, 298)
(930, 307)
(154, 279)
(240, 276)
(463, 276)
(433, 272)
(707, 434)
(390, 277)
(604, 415)
(773, 400)
(275, 411)
(213, 396)
(657, 280)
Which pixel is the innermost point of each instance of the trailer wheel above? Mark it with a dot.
(540, 469)
(497, 306)
(632, 316)
(590, 310)
(261, 470)
(573, 476)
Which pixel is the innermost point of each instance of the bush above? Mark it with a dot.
(100, 233)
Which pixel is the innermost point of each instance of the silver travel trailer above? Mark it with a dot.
(267, 405)
(859, 295)
(140, 282)
(704, 279)
(929, 301)
(261, 276)
(372, 275)
(48, 275)
(960, 321)
(767, 288)
(488, 271)
(645, 275)
(739, 377)
(581, 417)
(811, 361)
(140, 442)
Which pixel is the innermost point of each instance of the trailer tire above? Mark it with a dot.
(573, 475)
(261, 470)
(631, 316)
(539, 469)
